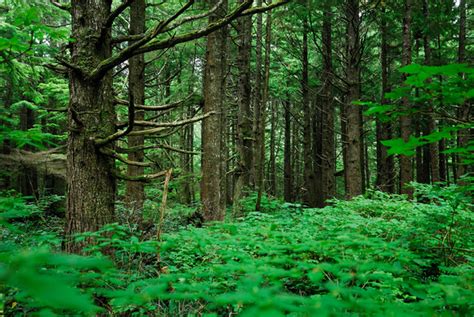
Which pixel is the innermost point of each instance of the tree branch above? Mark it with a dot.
(115, 155)
(131, 120)
(61, 6)
(140, 178)
(156, 108)
(162, 126)
(132, 49)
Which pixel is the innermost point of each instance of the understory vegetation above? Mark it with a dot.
(377, 254)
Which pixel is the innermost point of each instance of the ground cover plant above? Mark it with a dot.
(374, 255)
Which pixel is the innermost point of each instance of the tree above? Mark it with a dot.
(244, 115)
(385, 168)
(91, 155)
(135, 194)
(212, 129)
(406, 170)
(353, 157)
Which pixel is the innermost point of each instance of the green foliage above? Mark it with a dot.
(440, 91)
(374, 255)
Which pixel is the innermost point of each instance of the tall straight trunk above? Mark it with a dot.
(244, 116)
(214, 93)
(187, 143)
(353, 170)
(272, 160)
(406, 169)
(91, 186)
(287, 154)
(432, 126)
(309, 196)
(257, 96)
(265, 98)
(135, 191)
(385, 167)
(328, 149)
(463, 113)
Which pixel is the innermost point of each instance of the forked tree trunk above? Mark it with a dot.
(91, 186)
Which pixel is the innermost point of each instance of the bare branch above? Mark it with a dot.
(156, 146)
(61, 6)
(159, 127)
(115, 13)
(156, 108)
(131, 119)
(140, 178)
(264, 8)
(132, 49)
(115, 155)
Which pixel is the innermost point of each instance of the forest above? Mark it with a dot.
(236, 158)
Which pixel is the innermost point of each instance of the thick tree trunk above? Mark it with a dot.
(328, 150)
(385, 170)
(406, 169)
(91, 186)
(309, 195)
(244, 116)
(432, 126)
(214, 94)
(353, 170)
(135, 191)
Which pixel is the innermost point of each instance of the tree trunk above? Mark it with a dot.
(244, 116)
(287, 168)
(463, 114)
(385, 171)
(309, 195)
(432, 126)
(328, 150)
(135, 191)
(406, 169)
(272, 160)
(91, 186)
(265, 97)
(354, 155)
(214, 94)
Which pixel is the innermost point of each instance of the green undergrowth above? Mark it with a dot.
(374, 255)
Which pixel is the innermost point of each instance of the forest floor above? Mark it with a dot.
(378, 255)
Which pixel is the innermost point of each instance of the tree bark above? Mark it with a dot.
(214, 93)
(287, 157)
(385, 170)
(432, 126)
(328, 150)
(406, 170)
(464, 112)
(353, 170)
(244, 116)
(309, 195)
(135, 191)
(91, 186)
(265, 98)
